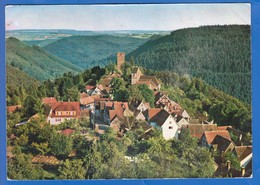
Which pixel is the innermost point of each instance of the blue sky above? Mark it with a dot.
(125, 17)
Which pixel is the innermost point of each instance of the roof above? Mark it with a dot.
(224, 127)
(49, 100)
(87, 100)
(160, 117)
(152, 112)
(66, 106)
(222, 143)
(211, 135)
(83, 95)
(49, 160)
(243, 151)
(136, 69)
(67, 132)
(118, 110)
(90, 87)
(13, 108)
(197, 130)
(151, 78)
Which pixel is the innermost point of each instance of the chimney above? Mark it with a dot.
(243, 171)
(228, 165)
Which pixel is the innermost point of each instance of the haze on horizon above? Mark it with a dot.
(161, 17)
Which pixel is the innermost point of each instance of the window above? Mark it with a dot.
(170, 127)
(170, 122)
(58, 119)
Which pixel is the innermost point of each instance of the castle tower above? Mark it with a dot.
(120, 60)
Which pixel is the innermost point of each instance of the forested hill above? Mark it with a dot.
(218, 54)
(35, 61)
(17, 83)
(90, 51)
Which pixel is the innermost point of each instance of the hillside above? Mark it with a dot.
(90, 51)
(218, 54)
(35, 61)
(18, 83)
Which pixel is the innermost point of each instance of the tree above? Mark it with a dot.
(72, 169)
(32, 106)
(147, 94)
(60, 145)
(21, 168)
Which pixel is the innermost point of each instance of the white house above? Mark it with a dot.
(164, 120)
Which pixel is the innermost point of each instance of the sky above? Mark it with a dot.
(125, 17)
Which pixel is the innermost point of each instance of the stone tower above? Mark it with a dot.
(120, 60)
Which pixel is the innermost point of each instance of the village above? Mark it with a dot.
(98, 106)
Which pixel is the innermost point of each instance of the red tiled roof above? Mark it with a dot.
(87, 100)
(118, 110)
(153, 111)
(67, 132)
(160, 117)
(90, 87)
(211, 135)
(49, 100)
(13, 108)
(66, 106)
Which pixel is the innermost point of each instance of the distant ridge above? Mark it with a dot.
(35, 61)
(218, 54)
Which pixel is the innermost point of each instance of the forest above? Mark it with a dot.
(220, 55)
(35, 61)
(89, 51)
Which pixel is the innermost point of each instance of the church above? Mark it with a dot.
(137, 76)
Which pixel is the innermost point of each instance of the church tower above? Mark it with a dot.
(120, 60)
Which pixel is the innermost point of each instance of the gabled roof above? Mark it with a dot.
(211, 135)
(160, 117)
(197, 130)
(87, 100)
(118, 110)
(222, 143)
(152, 112)
(49, 100)
(243, 151)
(136, 70)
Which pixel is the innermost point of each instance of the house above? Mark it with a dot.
(209, 136)
(163, 101)
(225, 170)
(244, 155)
(116, 109)
(222, 144)
(181, 122)
(162, 119)
(62, 111)
(87, 103)
(197, 130)
(138, 78)
(139, 115)
(141, 106)
(90, 89)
